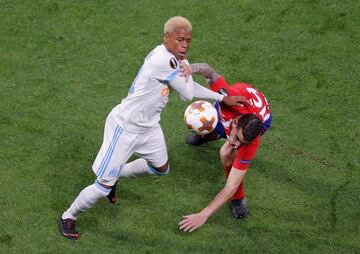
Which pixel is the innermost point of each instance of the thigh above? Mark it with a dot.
(115, 150)
(153, 148)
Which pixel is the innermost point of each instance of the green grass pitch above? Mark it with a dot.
(65, 64)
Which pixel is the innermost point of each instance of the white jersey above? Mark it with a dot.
(148, 95)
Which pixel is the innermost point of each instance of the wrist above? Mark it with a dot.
(206, 212)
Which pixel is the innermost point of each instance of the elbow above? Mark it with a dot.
(187, 97)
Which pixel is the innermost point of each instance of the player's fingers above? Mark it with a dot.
(239, 104)
(186, 226)
(193, 228)
(186, 229)
(183, 73)
(182, 222)
(245, 101)
(183, 226)
(185, 223)
(241, 99)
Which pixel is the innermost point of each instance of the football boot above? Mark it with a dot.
(112, 197)
(239, 208)
(68, 228)
(197, 139)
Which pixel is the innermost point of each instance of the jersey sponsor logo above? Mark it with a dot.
(173, 63)
(223, 91)
(245, 161)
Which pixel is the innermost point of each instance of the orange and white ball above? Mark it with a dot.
(201, 117)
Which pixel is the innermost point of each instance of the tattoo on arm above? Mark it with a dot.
(206, 71)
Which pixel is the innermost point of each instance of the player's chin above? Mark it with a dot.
(181, 56)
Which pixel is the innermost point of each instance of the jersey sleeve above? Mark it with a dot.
(164, 68)
(204, 93)
(185, 89)
(245, 155)
(222, 87)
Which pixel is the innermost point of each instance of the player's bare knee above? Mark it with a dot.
(162, 170)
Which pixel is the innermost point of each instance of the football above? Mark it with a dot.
(201, 117)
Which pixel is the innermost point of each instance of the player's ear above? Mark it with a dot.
(166, 37)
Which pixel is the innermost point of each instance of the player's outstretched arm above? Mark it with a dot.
(207, 72)
(193, 221)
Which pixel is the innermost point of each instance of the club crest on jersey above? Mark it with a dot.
(242, 161)
(223, 91)
(114, 172)
(165, 91)
(173, 63)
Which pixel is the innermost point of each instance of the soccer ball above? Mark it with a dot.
(201, 117)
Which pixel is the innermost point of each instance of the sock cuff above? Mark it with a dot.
(101, 188)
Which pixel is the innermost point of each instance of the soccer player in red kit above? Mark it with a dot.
(243, 127)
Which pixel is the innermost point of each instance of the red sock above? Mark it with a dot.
(227, 171)
(240, 193)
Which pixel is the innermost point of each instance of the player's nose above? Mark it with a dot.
(185, 44)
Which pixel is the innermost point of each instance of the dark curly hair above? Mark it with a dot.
(251, 126)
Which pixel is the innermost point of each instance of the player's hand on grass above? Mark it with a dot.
(185, 70)
(235, 101)
(192, 222)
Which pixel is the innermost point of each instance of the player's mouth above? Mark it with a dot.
(182, 54)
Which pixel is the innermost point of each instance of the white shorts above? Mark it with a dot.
(118, 145)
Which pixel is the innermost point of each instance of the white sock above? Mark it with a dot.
(86, 199)
(138, 168)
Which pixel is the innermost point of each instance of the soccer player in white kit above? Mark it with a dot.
(132, 127)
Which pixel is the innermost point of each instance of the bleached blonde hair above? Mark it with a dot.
(175, 22)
